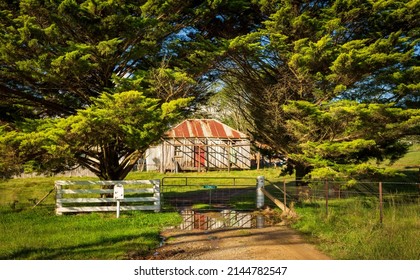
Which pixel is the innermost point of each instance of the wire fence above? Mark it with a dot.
(376, 195)
(309, 190)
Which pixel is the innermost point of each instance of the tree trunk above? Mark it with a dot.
(109, 164)
(301, 170)
(114, 167)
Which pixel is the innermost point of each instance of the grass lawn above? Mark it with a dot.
(40, 234)
(410, 160)
(352, 229)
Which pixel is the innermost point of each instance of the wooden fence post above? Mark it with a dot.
(162, 162)
(381, 212)
(258, 160)
(326, 197)
(156, 194)
(284, 193)
(58, 197)
(229, 155)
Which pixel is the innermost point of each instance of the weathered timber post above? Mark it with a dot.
(326, 197)
(229, 156)
(162, 161)
(284, 193)
(260, 194)
(258, 160)
(199, 158)
(156, 195)
(58, 197)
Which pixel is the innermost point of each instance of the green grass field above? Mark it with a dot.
(352, 229)
(39, 234)
(410, 160)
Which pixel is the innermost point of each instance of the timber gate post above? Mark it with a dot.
(58, 197)
(157, 195)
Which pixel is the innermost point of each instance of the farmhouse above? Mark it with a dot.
(200, 145)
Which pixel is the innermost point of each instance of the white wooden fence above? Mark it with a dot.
(85, 196)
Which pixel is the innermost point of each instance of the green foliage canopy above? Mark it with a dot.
(340, 138)
(320, 52)
(58, 59)
(126, 123)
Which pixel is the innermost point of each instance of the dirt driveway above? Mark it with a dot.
(270, 243)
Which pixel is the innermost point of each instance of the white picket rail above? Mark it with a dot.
(74, 204)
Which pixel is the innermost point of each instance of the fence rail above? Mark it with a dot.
(82, 196)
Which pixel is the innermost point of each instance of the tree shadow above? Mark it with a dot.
(106, 245)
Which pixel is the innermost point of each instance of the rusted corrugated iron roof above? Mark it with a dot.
(204, 128)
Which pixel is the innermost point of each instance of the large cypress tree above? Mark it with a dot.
(61, 61)
(319, 52)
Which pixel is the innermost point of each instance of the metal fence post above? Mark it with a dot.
(260, 194)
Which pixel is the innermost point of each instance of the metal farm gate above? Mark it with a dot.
(211, 202)
(208, 193)
(216, 220)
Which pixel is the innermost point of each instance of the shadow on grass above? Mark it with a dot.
(95, 250)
